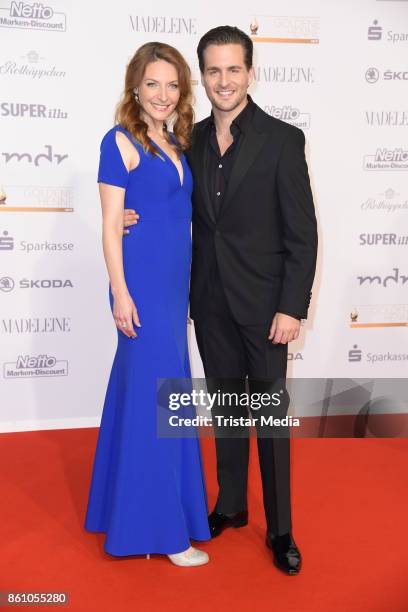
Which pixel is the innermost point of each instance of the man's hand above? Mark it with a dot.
(283, 329)
(130, 217)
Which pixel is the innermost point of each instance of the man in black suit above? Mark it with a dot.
(254, 257)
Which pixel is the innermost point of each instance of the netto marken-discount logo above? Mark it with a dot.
(29, 366)
(35, 367)
(392, 160)
(37, 16)
(289, 114)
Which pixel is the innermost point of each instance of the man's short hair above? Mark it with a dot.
(226, 35)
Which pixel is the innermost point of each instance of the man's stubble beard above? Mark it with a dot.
(232, 108)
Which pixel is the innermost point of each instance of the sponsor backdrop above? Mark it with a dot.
(337, 70)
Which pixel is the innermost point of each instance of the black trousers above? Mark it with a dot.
(236, 359)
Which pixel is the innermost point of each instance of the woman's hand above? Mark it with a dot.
(125, 314)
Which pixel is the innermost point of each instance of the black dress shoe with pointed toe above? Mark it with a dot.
(286, 554)
(218, 522)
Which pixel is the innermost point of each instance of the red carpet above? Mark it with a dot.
(349, 505)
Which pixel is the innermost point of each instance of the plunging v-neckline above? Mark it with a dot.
(181, 176)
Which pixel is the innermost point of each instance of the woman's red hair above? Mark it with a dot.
(129, 111)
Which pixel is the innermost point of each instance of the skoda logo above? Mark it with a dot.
(372, 75)
(6, 284)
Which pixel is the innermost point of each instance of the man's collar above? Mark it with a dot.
(242, 120)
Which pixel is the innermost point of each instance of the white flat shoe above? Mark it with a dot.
(189, 558)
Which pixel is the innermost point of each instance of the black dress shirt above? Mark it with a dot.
(220, 166)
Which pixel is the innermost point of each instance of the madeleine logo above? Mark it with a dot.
(285, 74)
(37, 16)
(153, 24)
(387, 118)
(379, 315)
(285, 29)
(36, 198)
(35, 325)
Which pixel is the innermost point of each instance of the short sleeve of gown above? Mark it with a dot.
(112, 170)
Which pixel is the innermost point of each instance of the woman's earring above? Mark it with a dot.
(135, 91)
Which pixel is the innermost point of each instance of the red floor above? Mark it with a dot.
(350, 518)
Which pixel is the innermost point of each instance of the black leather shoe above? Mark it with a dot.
(286, 554)
(218, 522)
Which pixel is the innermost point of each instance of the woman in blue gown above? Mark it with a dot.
(147, 492)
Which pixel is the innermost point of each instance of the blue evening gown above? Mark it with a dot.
(147, 492)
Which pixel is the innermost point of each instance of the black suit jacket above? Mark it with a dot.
(265, 238)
